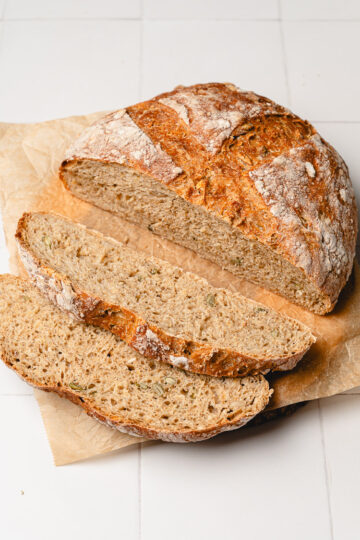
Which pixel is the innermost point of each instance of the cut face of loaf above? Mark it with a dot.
(159, 310)
(232, 176)
(111, 382)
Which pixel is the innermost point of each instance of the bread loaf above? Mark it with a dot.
(232, 176)
(161, 311)
(111, 382)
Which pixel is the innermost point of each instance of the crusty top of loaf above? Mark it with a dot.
(117, 138)
(250, 161)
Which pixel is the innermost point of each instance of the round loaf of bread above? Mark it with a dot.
(235, 177)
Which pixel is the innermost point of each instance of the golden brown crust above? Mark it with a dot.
(250, 162)
(145, 338)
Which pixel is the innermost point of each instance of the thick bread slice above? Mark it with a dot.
(232, 176)
(161, 311)
(96, 370)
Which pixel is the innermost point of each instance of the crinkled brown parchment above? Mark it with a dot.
(29, 159)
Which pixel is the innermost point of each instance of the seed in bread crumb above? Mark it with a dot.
(46, 240)
(237, 261)
(154, 271)
(158, 389)
(210, 300)
(169, 381)
(77, 387)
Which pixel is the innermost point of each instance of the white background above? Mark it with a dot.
(296, 478)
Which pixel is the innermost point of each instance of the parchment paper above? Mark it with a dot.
(29, 159)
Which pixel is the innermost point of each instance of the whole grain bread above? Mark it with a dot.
(233, 176)
(158, 309)
(111, 382)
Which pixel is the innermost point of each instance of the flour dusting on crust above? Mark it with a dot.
(179, 361)
(116, 138)
(148, 343)
(212, 113)
(178, 107)
(294, 186)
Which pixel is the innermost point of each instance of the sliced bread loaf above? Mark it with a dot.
(96, 370)
(159, 310)
(233, 176)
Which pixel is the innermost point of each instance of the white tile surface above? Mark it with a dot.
(322, 67)
(211, 9)
(341, 426)
(59, 68)
(241, 485)
(213, 51)
(320, 9)
(93, 499)
(11, 384)
(43, 9)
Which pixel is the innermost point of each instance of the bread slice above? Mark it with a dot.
(159, 310)
(234, 177)
(96, 370)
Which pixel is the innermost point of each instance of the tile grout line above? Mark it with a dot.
(174, 20)
(356, 20)
(141, 63)
(178, 19)
(2, 16)
(326, 469)
(15, 395)
(283, 48)
(335, 121)
(2, 29)
(70, 19)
